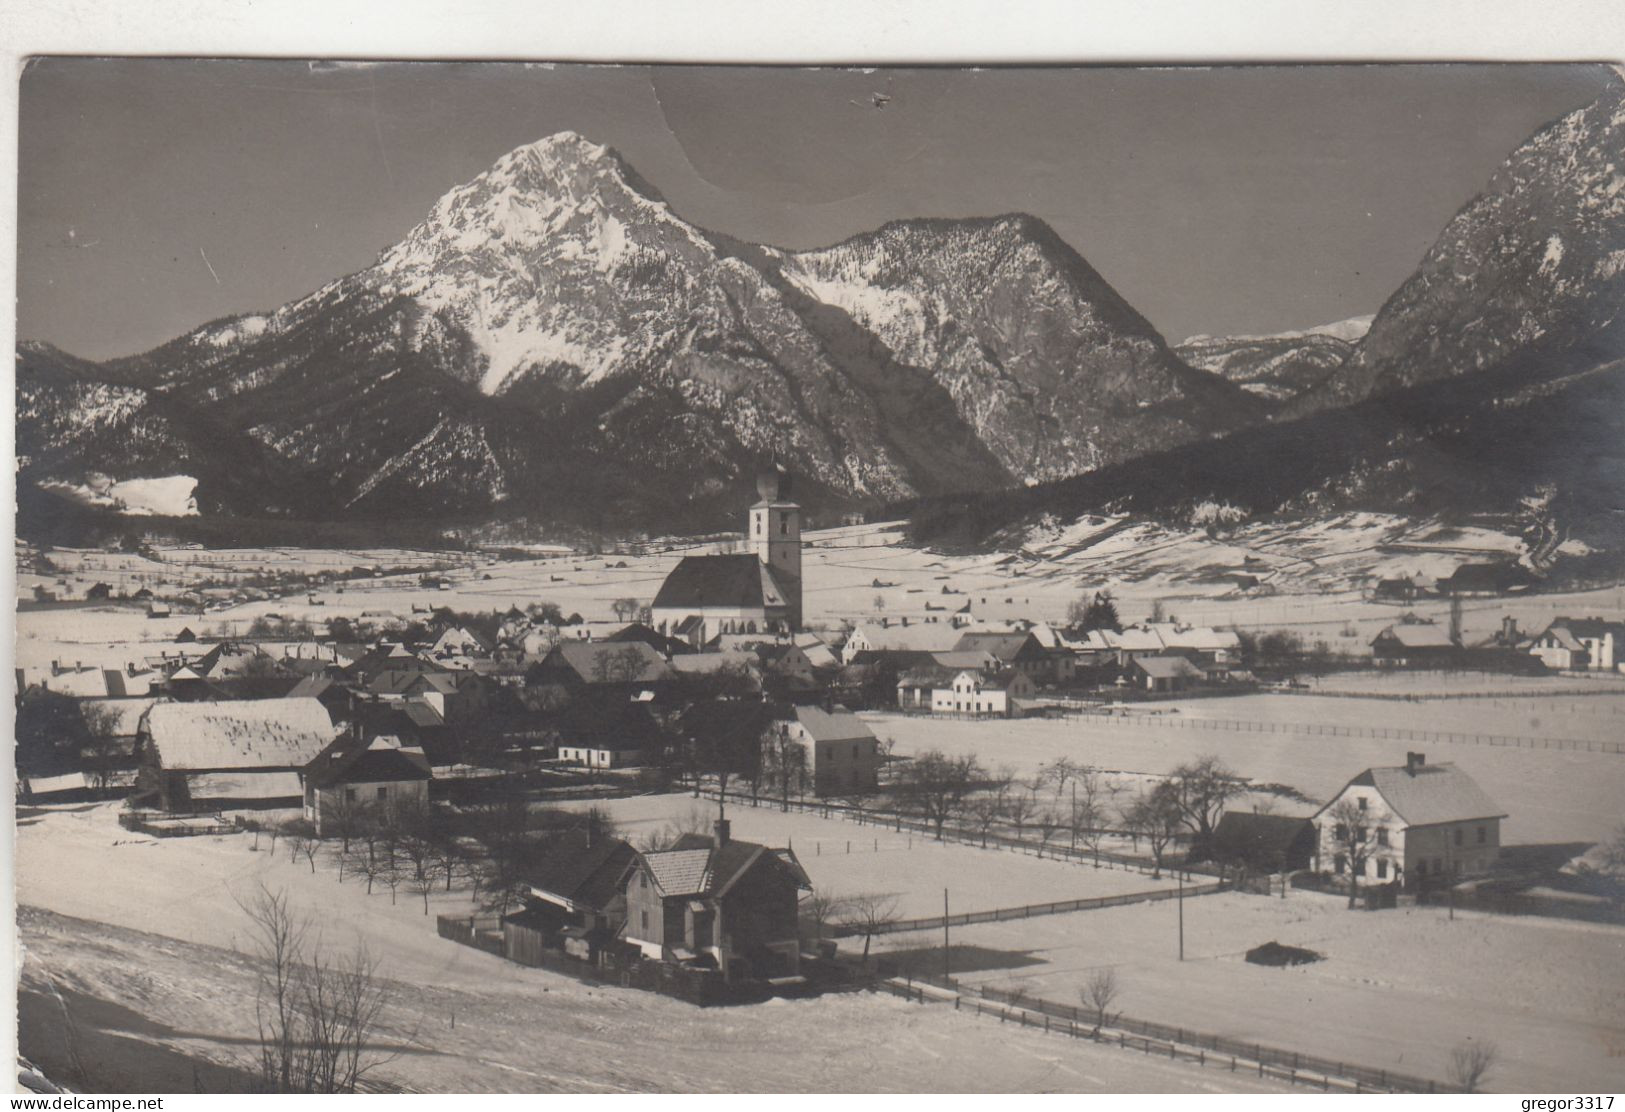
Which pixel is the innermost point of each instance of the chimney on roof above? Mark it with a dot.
(1414, 762)
(719, 837)
(1509, 630)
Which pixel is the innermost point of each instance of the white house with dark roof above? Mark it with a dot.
(978, 693)
(843, 754)
(1581, 644)
(1425, 821)
(747, 592)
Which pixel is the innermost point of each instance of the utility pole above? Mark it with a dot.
(1180, 873)
(945, 950)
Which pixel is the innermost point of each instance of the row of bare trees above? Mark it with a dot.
(1066, 797)
(422, 848)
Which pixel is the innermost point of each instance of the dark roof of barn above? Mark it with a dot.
(588, 876)
(1245, 834)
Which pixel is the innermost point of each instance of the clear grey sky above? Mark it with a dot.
(157, 194)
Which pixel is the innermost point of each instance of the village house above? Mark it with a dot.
(575, 899)
(1426, 823)
(1023, 652)
(1165, 675)
(748, 592)
(351, 776)
(718, 903)
(975, 693)
(606, 731)
(238, 754)
(899, 637)
(1486, 580)
(630, 666)
(1263, 843)
(1397, 589)
(1414, 646)
(843, 754)
(1581, 645)
(456, 641)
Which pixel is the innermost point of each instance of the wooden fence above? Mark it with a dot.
(1029, 911)
(1170, 1041)
(1317, 729)
(163, 824)
(964, 835)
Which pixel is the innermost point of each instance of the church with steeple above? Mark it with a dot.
(756, 591)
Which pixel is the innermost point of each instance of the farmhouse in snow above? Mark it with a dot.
(350, 776)
(1414, 646)
(238, 754)
(1581, 644)
(843, 754)
(719, 903)
(749, 592)
(1423, 823)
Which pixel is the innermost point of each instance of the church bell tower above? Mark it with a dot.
(774, 534)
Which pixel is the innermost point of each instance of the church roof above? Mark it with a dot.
(737, 580)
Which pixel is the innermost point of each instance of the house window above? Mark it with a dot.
(1382, 835)
(1421, 867)
(349, 795)
(1362, 802)
(383, 791)
(644, 917)
(784, 525)
(643, 882)
(1481, 835)
(1382, 868)
(1458, 835)
(1338, 864)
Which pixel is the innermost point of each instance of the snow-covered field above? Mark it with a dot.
(1549, 795)
(1398, 989)
(152, 971)
(846, 859)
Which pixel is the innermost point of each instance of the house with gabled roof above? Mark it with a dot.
(352, 775)
(1581, 644)
(1162, 675)
(843, 754)
(983, 693)
(243, 753)
(919, 637)
(624, 665)
(1021, 651)
(717, 903)
(1419, 645)
(1424, 824)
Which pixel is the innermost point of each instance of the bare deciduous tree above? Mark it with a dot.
(1200, 791)
(1352, 837)
(1099, 991)
(937, 785)
(1469, 1062)
(1153, 815)
(101, 745)
(868, 915)
(819, 909)
(317, 1014)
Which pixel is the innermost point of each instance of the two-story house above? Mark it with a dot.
(719, 903)
(1423, 823)
(843, 754)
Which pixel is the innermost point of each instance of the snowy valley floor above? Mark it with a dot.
(143, 943)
